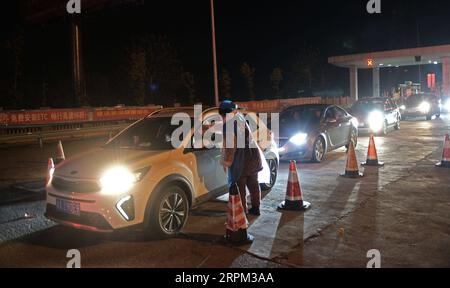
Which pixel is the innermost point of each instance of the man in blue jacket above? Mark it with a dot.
(241, 160)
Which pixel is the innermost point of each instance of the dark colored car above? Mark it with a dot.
(376, 115)
(308, 132)
(445, 104)
(421, 105)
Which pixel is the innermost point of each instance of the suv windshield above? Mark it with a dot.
(148, 134)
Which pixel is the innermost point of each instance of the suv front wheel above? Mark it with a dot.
(273, 166)
(168, 212)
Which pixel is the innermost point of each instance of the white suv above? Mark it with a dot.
(139, 180)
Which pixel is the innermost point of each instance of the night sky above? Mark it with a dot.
(266, 34)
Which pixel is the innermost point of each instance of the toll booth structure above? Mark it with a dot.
(438, 55)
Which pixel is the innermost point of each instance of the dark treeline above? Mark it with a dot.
(127, 62)
(160, 52)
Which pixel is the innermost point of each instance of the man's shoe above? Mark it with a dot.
(254, 211)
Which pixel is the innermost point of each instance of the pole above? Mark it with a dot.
(420, 66)
(216, 80)
(77, 58)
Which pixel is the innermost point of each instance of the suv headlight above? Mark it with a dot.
(425, 107)
(376, 121)
(299, 139)
(119, 179)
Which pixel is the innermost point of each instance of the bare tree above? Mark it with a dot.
(155, 70)
(16, 46)
(225, 84)
(137, 73)
(164, 69)
(189, 83)
(248, 73)
(275, 80)
(304, 64)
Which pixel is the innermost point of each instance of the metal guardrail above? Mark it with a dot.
(39, 135)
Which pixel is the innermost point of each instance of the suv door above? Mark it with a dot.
(210, 170)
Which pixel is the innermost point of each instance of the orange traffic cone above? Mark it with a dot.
(60, 156)
(372, 156)
(50, 169)
(237, 224)
(445, 163)
(352, 171)
(294, 199)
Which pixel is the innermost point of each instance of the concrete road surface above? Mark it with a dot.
(402, 210)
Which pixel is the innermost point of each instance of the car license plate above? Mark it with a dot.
(68, 207)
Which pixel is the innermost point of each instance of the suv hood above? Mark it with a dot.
(92, 164)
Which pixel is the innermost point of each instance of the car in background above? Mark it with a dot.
(421, 105)
(445, 104)
(308, 132)
(140, 180)
(376, 115)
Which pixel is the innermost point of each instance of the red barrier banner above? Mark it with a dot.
(42, 117)
(278, 105)
(132, 113)
(64, 116)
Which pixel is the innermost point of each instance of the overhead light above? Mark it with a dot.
(435, 62)
(390, 65)
(430, 61)
(381, 64)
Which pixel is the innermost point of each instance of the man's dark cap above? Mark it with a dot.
(227, 106)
